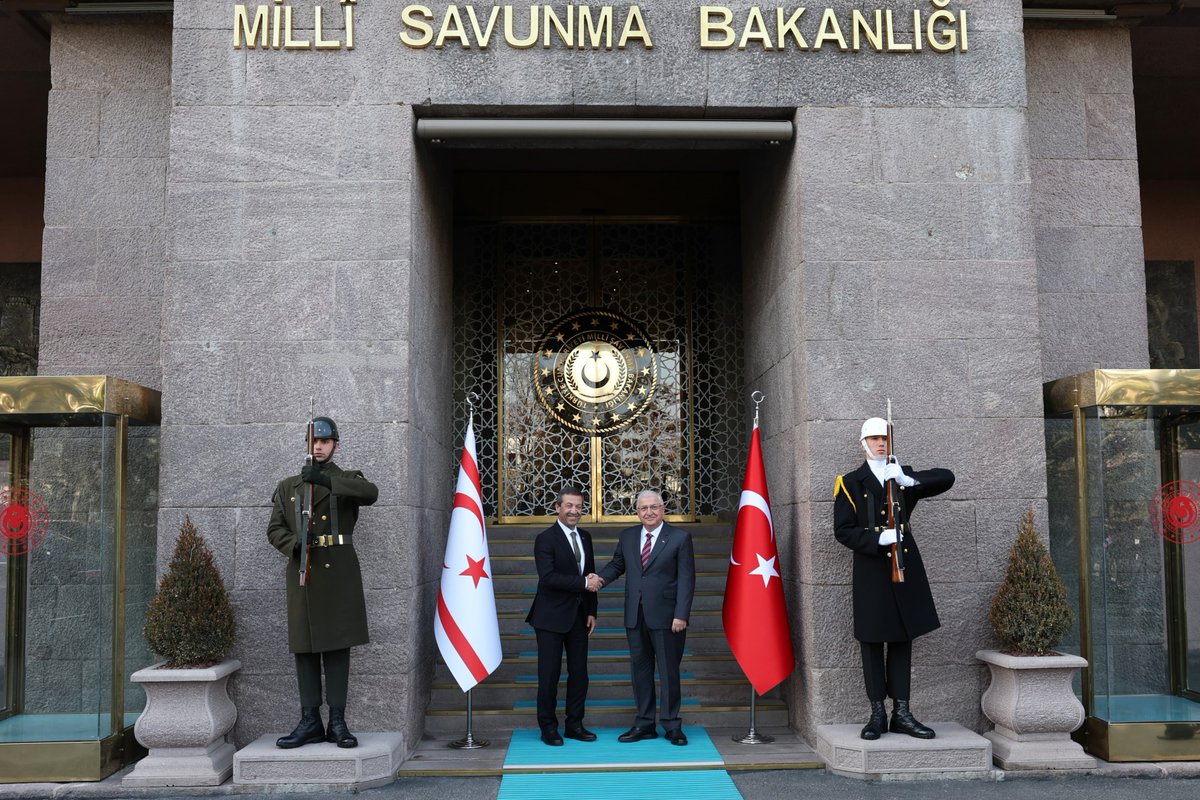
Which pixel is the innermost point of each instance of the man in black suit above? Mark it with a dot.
(564, 615)
(887, 616)
(660, 568)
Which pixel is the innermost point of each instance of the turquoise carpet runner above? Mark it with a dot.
(527, 752)
(535, 770)
(707, 784)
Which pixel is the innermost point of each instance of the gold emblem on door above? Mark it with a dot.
(595, 370)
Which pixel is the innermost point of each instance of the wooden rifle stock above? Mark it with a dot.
(308, 522)
(893, 517)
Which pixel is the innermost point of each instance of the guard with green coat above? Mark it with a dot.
(327, 612)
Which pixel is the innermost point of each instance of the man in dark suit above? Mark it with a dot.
(563, 615)
(660, 568)
(886, 614)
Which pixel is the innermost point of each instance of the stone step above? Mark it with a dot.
(617, 612)
(706, 580)
(707, 540)
(452, 722)
(600, 665)
(523, 564)
(955, 751)
(520, 631)
(734, 693)
(613, 601)
(606, 699)
(373, 763)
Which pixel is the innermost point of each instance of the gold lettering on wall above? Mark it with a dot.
(278, 24)
(250, 29)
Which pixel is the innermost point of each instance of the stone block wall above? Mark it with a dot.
(103, 248)
(896, 259)
(309, 257)
(1083, 151)
(888, 251)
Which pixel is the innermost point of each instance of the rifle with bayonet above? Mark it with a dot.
(308, 522)
(895, 512)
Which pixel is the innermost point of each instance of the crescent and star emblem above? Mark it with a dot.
(595, 370)
(590, 383)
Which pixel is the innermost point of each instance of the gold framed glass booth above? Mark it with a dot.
(1123, 467)
(79, 462)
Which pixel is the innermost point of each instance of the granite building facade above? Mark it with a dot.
(951, 224)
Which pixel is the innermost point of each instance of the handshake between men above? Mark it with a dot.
(594, 582)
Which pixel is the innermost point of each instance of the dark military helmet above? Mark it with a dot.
(325, 428)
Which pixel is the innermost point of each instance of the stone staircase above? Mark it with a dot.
(715, 692)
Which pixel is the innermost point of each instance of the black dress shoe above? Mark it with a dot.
(581, 733)
(552, 738)
(904, 722)
(310, 730)
(636, 734)
(877, 725)
(677, 737)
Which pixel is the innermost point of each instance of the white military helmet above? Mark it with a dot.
(875, 426)
(872, 427)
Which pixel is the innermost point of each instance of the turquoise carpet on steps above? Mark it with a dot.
(701, 784)
(528, 752)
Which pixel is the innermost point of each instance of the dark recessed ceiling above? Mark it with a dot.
(1166, 95)
(24, 87)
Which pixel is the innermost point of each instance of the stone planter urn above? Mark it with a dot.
(184, 726)
(1034, 709)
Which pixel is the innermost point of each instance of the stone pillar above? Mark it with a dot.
(1083, 148)
(895, 259)
(103, 250)
(309, 257)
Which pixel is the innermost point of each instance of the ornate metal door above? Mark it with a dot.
(606, 354)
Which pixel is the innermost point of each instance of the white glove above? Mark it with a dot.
(888, 537)
(893, 472)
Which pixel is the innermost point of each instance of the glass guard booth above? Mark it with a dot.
(78, 517)
(1123, 467)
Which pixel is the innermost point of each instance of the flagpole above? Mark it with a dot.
(469, 742)
(752, 736)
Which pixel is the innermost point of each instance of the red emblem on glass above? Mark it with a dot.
(23, 521)
(1175, 511)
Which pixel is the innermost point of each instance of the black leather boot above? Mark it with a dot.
(904, 722)
(308, 731)
(877, 724)
(339, 734)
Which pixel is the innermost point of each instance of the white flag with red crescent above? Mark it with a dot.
(754, 613)
(465, 624)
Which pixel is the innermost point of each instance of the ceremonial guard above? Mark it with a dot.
(326, 608)
(893, 604)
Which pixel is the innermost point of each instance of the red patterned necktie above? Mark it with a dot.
(646, 551)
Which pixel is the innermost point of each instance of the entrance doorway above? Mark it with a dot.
(605, 349)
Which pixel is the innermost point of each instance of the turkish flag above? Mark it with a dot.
(754, 614)
(465, 625)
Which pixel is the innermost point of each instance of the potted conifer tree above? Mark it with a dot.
(1031, 700)
(188, 714)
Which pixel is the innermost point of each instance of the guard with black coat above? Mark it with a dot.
(889, 613)
(327, 614)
